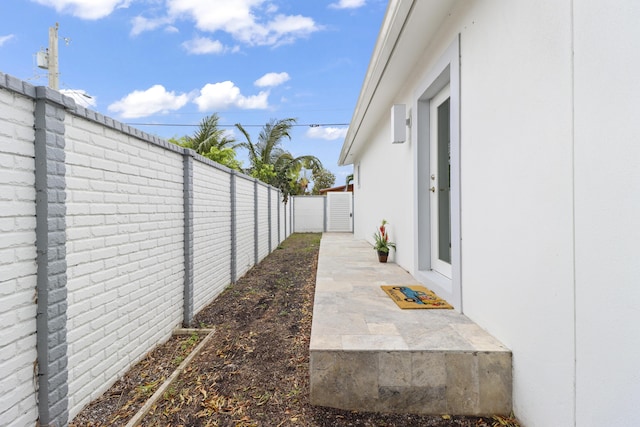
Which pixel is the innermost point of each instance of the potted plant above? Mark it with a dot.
(382, 243)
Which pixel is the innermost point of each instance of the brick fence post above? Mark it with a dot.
(324, 213)
(269, 219)
(279, 220)
(188, 237)
(255, 222)
(292, 220)
(234, 226)
(51, 261)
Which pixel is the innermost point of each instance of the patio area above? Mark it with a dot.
(368, 354)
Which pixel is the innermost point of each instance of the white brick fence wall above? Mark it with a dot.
(17, 260)
(110, 239)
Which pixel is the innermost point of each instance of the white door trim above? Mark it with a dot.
(436, 187)
(445, 72)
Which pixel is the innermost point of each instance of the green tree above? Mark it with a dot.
(225, 156)
(322, 178)
(211, 142)
(270, 162)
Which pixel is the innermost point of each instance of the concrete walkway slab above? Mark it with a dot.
(368, 354)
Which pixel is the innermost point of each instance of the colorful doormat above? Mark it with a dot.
(414, 297)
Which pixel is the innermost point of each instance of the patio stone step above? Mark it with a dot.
(367, 354)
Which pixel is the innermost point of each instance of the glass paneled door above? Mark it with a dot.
(440, 182)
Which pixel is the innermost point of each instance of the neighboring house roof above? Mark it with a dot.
(407, 29)
(341, 188)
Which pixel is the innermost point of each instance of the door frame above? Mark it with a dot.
(446, 71)
(437, 264)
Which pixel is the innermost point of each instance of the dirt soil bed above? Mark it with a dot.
(121, 402)
(255, 369)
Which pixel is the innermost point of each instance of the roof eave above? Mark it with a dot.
(399, 36)
(394, 18)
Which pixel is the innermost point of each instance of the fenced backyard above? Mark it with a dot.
(111, 239)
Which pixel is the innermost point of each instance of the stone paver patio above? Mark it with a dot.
(368, 354)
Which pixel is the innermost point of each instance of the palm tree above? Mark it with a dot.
(209, 135)
(270, 162)
(211, 142)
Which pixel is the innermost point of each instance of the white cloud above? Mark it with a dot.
(347, 4)
(240, 19)
(224, 95)
(81, 97)
(4, 39)
(203, 46)
(271, 8)
(141, 24)
(154, 100)
(328, 133)
(272, 79)
(286, 29)
(86, 9)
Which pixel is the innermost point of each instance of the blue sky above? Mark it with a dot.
(177, 61)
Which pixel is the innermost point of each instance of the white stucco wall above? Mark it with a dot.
(607, 224)
(516, 177)
(550, 177)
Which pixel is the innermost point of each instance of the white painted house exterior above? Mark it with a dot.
(543, 106)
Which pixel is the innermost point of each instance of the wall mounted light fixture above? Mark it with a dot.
(399, 123)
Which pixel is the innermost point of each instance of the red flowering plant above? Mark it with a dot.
(381, 238)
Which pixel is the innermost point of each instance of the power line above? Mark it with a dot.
(312, 125)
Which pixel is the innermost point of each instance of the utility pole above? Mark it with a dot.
(54, 74)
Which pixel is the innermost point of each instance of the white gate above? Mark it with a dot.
(340, 212)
